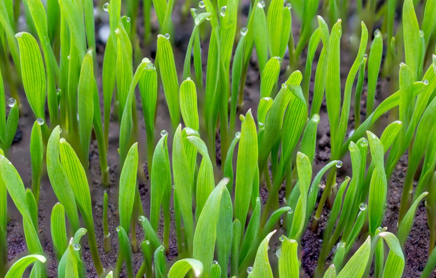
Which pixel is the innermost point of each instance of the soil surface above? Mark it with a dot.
(417, 244)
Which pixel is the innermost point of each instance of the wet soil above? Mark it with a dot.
(416, 246)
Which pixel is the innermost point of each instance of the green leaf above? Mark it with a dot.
(355, 267)
(58, 230)
(406, 224)
(188, 104)
(127, 187)
(160, 181)
(85, 106)
(374, 63)
(245, 167)
(33, 73)
(36, 157)
(270, 76)
(261, 267)
(394, 265)
(289, 266)
(168, 74)
(412, 48)
(182, 267)
(205, 232)
(331, 272)
(59, 179)
(183, 181)
(11, 126)
(18, 268)
(252, 231)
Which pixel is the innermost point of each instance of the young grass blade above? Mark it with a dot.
(85, 106)
(36, 157)
(79, 184)
(183, 182)
(160, 183)
(15, 188)
(274, 24)
(18, 268)
(107, 239)
(270, 76)
(33, 73)
(251, 233)
(224, 236)
(260, 36)
(125, 252)
(148, 89)
(127, 188)
(228, 167)
(245, 167)
(188, 104)
(406, 224)
(3, 224)
(331, 272)
(168, 74)
(313, 46)
(58, 230)
(33, 208)
(428, 24)
(358, 92)
(182, 267)
(308, 141)
(261, 267)
(150, 233)
(124, 71)
(378, 186)
(374, 64)
(59, 179)
(289, 266)
(265, 105)
(160, 264)
(394, 265)
(355, 267)
(237, 234)
(206, 230)
(108, 79)
(412, 48)
(304, 169)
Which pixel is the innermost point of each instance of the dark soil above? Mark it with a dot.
(416, 246)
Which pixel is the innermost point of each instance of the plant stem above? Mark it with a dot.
(331, 180)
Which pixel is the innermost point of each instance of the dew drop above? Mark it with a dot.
(167, 36)
(11, 102)
(289, 5)
(128, 19)
(364, 143)
(189, 79)
(238, 134)
(261, 126)
(141, 218)
(279, 59)
(261, 4)
(201, 5)
(267, 248)
(290, 211)
(189, 131)
(69, 57)
(163, 133)
(279, 252)
(40, 121)
(315, 118)
(118, 229)
(150, 66)
(402, 64)
(363, 206)
(249, 269)
(223, 11)
(365, 56)
(77, 247)
(174, 186)
(339, 164)
(282, 238)
(284, 86)
(244, 31)
(194, 12)
(215, 262)
(147, 242)
(106, 7)
(425, 82)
